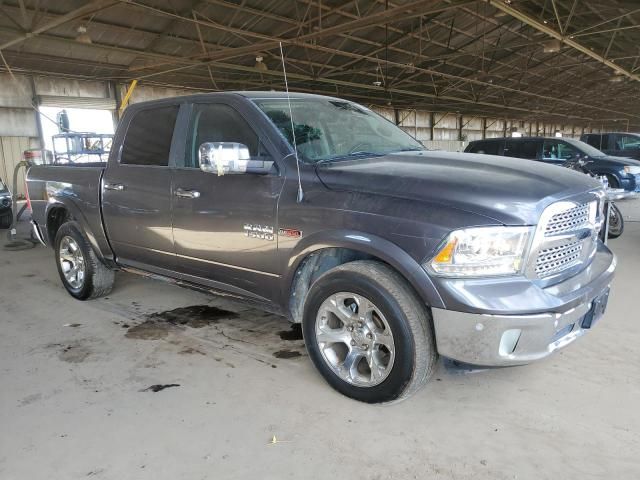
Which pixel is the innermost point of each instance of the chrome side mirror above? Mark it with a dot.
(223, 157)
(227, 158)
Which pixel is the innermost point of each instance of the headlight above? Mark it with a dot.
(633, 170)
(483, 251)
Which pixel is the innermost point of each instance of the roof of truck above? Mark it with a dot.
(246, 94)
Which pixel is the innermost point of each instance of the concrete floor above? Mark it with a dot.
(74, 401)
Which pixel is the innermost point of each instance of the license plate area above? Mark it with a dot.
(595, 313)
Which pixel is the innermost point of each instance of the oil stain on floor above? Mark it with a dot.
(287, 354)
(295, 333)
(157, 325)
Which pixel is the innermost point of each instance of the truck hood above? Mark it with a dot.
(510, 191)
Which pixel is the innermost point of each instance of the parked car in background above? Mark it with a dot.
(620, 172)
(392, 255)
(6, 215)
(619, 144)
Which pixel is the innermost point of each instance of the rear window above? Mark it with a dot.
(148, 140)
(488, 148)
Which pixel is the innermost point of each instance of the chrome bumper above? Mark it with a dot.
(500, 340)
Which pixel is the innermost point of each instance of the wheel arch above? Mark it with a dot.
(320, 252)
(62, 210)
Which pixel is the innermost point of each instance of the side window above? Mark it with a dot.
(596, 141)
(218, 123)
(557, 150)
(488, 148)
(627, 142)
(529, 149)
(513, 148)
(148, 138)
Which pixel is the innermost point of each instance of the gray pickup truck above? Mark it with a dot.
(322, 211)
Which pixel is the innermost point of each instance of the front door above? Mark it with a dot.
(225, 227)
(136, 191)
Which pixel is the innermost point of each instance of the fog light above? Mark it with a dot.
(509, 341)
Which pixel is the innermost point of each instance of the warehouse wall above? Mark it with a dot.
(19, 122)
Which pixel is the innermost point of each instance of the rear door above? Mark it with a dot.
(225, 227)
(136, 191)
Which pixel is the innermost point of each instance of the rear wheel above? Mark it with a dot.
(82, 274)
(368, 333)
(616, 222)
(6, 220)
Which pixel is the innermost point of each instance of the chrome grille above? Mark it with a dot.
(556, 259)
(568, 220)
(561, 242)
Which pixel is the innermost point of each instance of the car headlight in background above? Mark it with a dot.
(632, 169)
(482, 251)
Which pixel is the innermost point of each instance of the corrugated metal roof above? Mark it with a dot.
(442, 55)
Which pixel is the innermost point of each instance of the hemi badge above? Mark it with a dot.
(290, 232)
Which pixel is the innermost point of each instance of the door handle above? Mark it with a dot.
(182, 193)
(114, 186)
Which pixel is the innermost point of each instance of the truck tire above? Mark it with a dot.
(6, 220)
(82, 274)
(368, 333)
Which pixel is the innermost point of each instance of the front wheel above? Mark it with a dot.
(368, 333)
(82, 274)
(616, 222)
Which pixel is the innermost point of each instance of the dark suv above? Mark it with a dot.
(619, 144)
(6, 216)
(620, 172)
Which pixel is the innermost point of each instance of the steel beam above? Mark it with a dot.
(83, 11)
(532, 22)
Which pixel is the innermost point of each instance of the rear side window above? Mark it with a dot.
(627, 142)
(596, 141)
(488, 148)
(148, 140)
(522, 149)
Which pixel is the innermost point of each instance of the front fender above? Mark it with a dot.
(369, 244)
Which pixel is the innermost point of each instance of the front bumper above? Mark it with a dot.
(501, 339)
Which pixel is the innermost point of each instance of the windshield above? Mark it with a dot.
(2, 186)
(330, 129)
(585, 148)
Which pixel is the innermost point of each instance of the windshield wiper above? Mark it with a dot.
(361, 154)
(410, 150)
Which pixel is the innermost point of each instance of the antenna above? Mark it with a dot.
(293, 129)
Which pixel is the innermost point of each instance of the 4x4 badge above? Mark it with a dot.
(290, 232)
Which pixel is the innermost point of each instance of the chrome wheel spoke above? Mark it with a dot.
(377, 369)
(385, 339)
(333, 336)
(66, 256)
(351, 361)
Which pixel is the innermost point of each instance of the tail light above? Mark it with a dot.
(26, 189)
